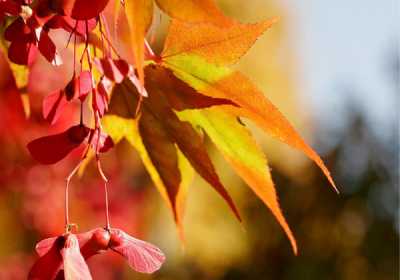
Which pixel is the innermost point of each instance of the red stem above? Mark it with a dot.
(98, 129)
(108, 226)
(68, 180)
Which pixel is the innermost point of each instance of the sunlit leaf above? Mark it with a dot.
(165, 129)
(121, 128)
(194, 11)
(242, 152)
(222, 82)
(214, 44)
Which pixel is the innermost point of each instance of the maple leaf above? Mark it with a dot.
(162, 133)
(127, 128)
(191, 86)
(200, 61)
(55, 103)
(194, 11)
(202, 68)
(242, 152)
(162, 105)
(139, 15)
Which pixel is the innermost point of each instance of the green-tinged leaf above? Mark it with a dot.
(161, 129)
(183, 134)
(192, 146)
(222, 82)
(162, 152)
(244, 155)
(214, 44)
(194, 11)
(180, 95)
(121, 128)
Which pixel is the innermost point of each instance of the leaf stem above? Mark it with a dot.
(66, 195)
(108, 226)
(66, 205)
(81, 114)
(98, 129)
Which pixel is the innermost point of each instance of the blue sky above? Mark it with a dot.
(344, 50)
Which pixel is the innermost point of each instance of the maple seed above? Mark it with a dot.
(115, 239)
(102, 238)
(59, 258)
(140, 255)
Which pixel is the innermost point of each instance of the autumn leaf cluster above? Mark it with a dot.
(163, 104)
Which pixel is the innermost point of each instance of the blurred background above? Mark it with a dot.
(332, 67)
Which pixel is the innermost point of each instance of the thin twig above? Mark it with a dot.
(67, 181)
(98, 130)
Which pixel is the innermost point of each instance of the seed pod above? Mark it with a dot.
(116, 238)
(101, 238)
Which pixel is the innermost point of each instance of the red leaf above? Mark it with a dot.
(75, 267)
(99, 102)
(115, 70)
(53, 105)
(17, 31)
(9, 7)
(22, 52)
(85, 84)
(135, 81)
(41, 14)
(122, 66)
(72, 89)
(141, 256)
(79, 27)
(79, 87)
(53, 148)
(105, 142)
(48, 49)
(80, 9)
(104, 87)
